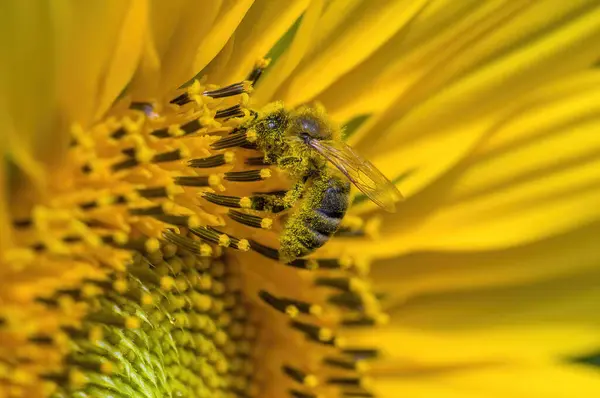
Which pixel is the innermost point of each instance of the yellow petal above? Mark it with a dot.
(534, 381)
(125, 58)
(363, 30)
(446, 125)
(291, 58)
(527, 323)
(87, 33)
(176, 29)
(436, 272)
(27, 66)
(228, 20)
(263, 25)
(532, 169)
(185, 36)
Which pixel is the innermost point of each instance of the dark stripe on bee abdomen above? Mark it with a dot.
(322, 223)
(317, 220)
(334, 201)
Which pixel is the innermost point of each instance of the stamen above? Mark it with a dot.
(314, 332)
(153, 193)
(256, 73)
(289, 306)
(192, 181)
(188, 244)
(348, 300)
(191, 126)
(147, 211)
(248, 175)
(179, 220)
(22, 223)
(233, 140)
(343, 363)
(357, 394)
(125, 164)
(300, 376)
(250, 220)
(119, 133)
(228, 91)
(167, 156)
(341, 283)
(361, 353)
(300, 394)
(211, 161)
(256, 161)
(226, 201)
(212, 235)
(181, 99)
(233, 111)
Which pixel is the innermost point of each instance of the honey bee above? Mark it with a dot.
(305, 144)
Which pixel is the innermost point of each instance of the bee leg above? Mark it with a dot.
(294, 194)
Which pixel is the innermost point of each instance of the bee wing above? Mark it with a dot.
(362, 173)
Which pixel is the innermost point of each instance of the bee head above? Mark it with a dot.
(310, 126)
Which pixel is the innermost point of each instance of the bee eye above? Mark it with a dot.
(310, 126)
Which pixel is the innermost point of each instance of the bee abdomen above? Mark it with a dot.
(322, 223)
(318, 218)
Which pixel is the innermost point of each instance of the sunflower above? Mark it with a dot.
(140, 217)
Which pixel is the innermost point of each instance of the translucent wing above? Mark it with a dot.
(363, 174)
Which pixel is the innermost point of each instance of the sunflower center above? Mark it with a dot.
(167, 227)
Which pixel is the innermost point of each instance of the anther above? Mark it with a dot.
(361, 353)
(232, 140)
(22, 223)
(167, 156)
(363, 320)
(300, 394)
(256, 161)
(233, 111)
(300, 376)
(188, 244)
(248, 175)
(343, 363)
(250, 220)
(341, 283)
(346, 381)
(152, 193)
(125, 164)
(314, 332)
(119, 133)
(179, 220)
(181, 99)
(208, 162)
(256, 73)
(228, 91)
(147, 211)
(357, 394)
(287, 306)
(191, 127)
(348, 300)
(223, 200)
(192, 181)
(41, 339)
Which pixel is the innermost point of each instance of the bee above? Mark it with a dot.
(309, 147)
